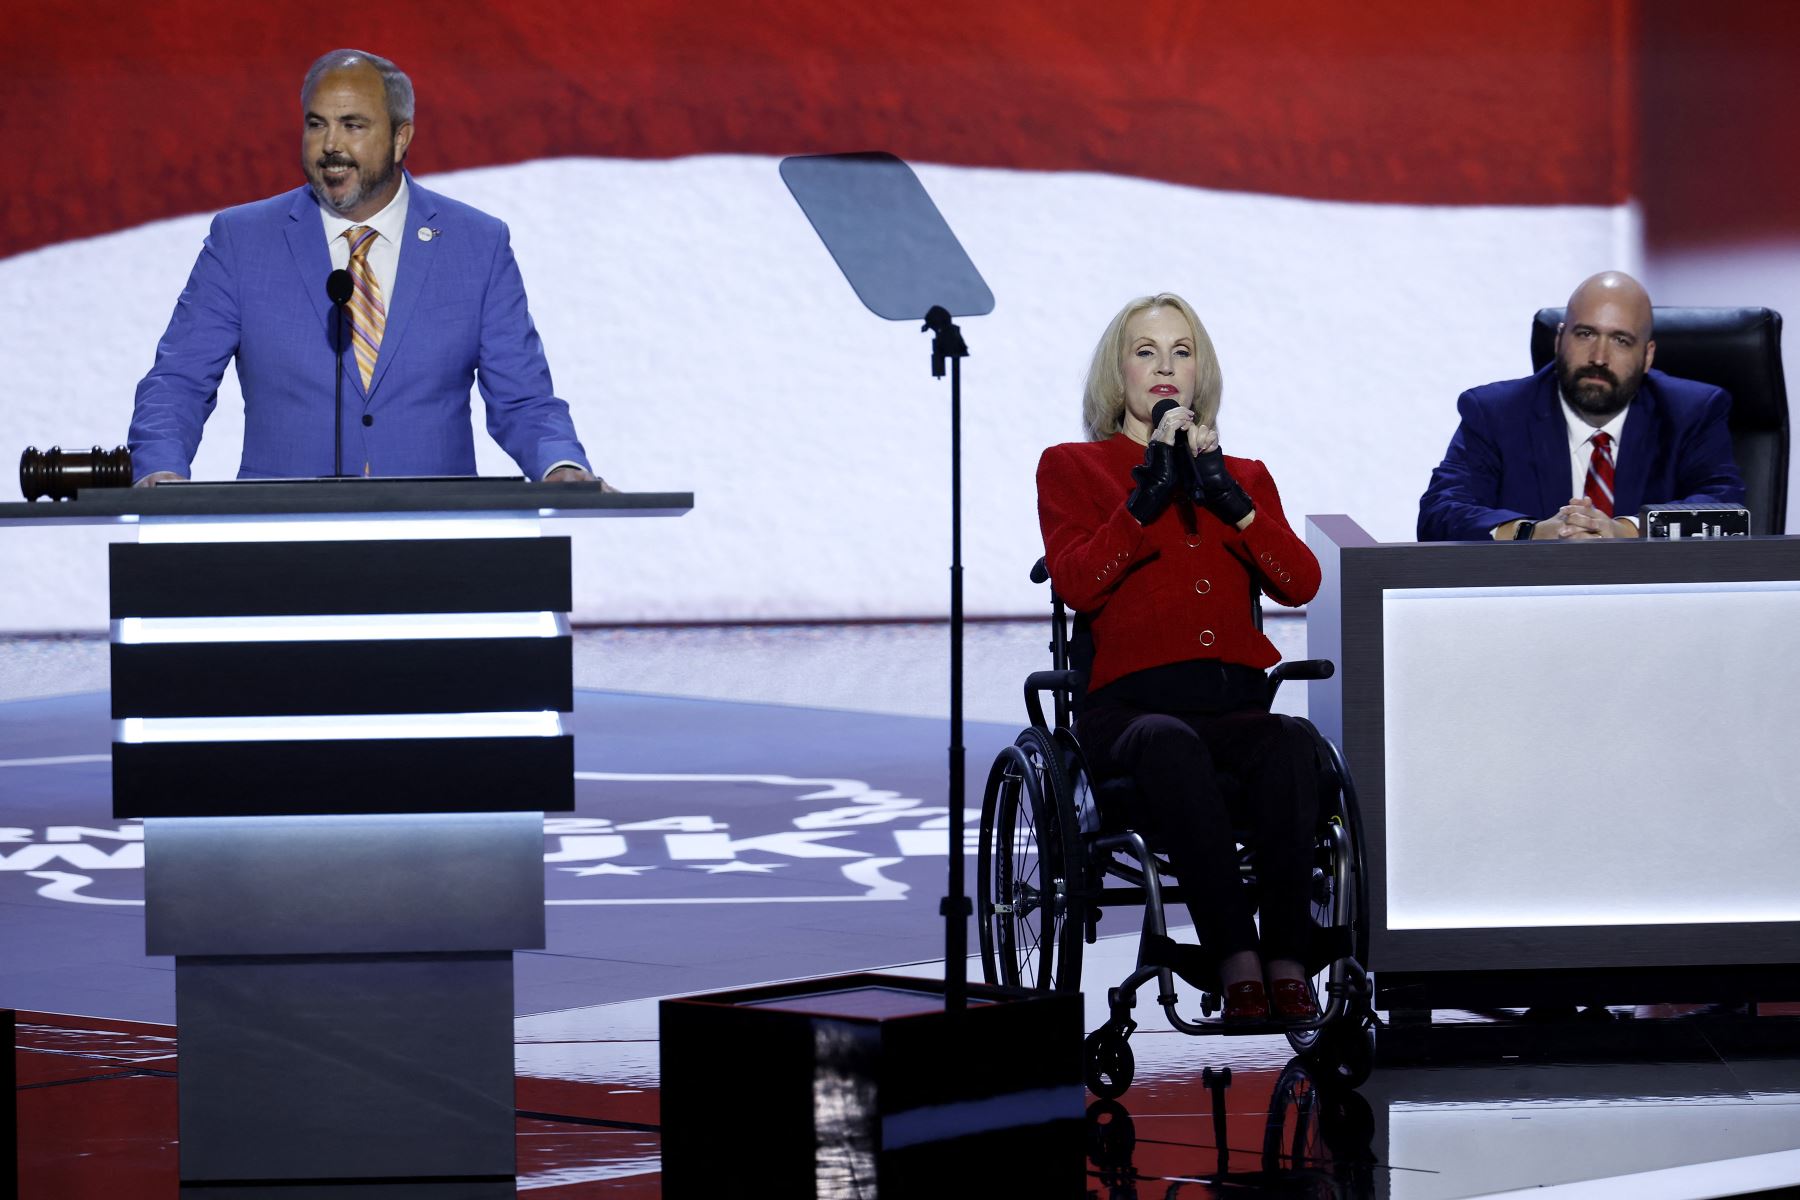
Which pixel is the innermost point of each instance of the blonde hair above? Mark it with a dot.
(1103, 400)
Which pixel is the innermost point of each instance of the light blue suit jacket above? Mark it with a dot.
(457, 316)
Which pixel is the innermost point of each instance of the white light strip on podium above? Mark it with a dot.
(424, 526)
(158, 631)
(148, 730)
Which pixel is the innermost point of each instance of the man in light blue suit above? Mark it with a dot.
(439, 305)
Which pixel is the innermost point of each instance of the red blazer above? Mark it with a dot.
(1173, 590)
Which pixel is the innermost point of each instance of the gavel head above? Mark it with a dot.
(58, 474)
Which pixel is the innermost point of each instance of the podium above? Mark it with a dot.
(338, 712)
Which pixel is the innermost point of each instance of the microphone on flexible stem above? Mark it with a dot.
(338, 289)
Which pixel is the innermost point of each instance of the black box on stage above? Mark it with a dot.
(862, 1085)
(1674, 521)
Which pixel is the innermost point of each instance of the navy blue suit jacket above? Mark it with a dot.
(457, 318)
(1510, 456)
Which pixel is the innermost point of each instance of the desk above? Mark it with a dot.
(1551, 815)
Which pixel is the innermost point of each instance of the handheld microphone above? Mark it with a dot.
(1184, 462)
(338, 289)
(1160, 411)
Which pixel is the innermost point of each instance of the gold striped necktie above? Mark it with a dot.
(368, 315)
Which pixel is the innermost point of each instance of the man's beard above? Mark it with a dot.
(1591, 402)
(365, 185)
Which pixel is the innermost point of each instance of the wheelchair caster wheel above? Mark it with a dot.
(1107, 1063)
(1344, 1054)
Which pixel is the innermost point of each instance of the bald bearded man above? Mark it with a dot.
(1572, 453)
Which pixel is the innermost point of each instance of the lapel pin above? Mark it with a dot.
(426, 233)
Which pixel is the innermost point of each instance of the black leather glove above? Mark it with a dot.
(1217, 491)
(1157, 479)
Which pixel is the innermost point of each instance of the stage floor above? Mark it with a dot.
(827, 855)
(97, 1116)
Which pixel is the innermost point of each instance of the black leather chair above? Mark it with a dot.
(1738, 349)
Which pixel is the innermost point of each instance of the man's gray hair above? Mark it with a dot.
(393, 80)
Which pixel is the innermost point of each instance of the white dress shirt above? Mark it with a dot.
(384, 251)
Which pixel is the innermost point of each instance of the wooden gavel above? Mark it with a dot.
(59, 473)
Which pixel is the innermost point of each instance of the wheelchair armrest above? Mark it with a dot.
(1039, 682)
(1302, 668)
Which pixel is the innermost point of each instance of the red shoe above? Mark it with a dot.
(1246, 1001)
(1293, 1000)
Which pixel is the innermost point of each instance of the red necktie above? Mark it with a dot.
(1599, 487)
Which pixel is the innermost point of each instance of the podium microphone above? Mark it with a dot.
(338, 289)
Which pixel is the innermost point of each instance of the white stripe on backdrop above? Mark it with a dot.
(706, 341)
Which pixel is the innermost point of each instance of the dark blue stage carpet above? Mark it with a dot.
(713, 844)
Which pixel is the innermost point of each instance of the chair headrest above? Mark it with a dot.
(1738, 349)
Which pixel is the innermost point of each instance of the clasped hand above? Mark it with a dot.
(1201, 438)
(1580, 521)
(1210, 481)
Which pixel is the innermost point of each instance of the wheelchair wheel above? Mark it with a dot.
(1107, 1063)
(1343, 1051)
(1029, 869)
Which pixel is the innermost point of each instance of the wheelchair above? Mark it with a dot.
(1051, 840)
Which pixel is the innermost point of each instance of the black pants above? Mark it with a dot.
(1176, 761)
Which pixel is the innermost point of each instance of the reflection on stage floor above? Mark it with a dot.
(1205, 1117)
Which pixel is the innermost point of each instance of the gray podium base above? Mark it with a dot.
(346, 1068)
(343, 992)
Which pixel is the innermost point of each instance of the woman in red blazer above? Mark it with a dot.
(1155, 536)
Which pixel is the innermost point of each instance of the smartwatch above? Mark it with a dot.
(1522, 531)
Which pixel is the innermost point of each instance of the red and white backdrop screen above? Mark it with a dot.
(1364, 202)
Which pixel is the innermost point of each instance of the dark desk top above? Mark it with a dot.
(344, 497)
(1368, 566)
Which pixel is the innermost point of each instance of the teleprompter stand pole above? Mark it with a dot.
(947, 344)
(903, 1045)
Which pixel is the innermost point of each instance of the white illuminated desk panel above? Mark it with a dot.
(1569, 758)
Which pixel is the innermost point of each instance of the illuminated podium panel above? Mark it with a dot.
(1574, 764)
(338, 711)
